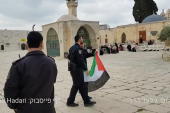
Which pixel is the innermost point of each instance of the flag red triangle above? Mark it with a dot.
(99, 63)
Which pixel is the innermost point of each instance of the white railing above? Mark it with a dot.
(151, 48)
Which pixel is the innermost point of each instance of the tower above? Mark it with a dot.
(163, 14)
(72, 7)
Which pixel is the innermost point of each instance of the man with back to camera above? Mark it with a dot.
(76, 68)
(31, 79)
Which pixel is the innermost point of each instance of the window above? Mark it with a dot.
(154, 33)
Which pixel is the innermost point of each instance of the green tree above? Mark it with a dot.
(165, 34)
(144, 8)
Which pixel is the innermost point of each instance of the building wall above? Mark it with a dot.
(108, 34)
(132, 32)
(11, 39)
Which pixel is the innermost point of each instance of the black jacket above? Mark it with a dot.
(86, 55)
(31, 80)
(76, 56)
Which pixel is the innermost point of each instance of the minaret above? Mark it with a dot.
(72, 7)
(163, 14)
(162, 10)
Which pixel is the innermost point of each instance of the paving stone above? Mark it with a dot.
(157, 108)
(165, 95)
(113, 96)
(145, 111)
(130, 94)
(150, 99)
(134, 102)
(151, 87)
(136, 89)
(166, 103)
(152, 92)
(80, 109)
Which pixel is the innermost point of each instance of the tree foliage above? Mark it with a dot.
(144, 8)
(165, 34)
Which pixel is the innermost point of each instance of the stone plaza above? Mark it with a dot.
(139, 83)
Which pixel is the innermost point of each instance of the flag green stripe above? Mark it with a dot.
(93, 66)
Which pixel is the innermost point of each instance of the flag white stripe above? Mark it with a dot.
(97, 74)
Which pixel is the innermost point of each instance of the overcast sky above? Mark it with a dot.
(22, 14)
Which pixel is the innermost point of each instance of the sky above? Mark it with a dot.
(23, 14)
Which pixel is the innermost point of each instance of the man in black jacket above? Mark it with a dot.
(76, 68)
(29, 87)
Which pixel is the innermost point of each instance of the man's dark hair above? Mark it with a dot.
(77, 37)
(34, 39)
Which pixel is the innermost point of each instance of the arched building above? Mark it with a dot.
(59, 36)
(145, 31)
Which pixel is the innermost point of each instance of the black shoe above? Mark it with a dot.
(72, 105)
(90, 103)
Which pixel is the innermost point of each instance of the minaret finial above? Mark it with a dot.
(33, 27)
(72, 7)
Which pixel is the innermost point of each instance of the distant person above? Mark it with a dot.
(129, 47)
(117, 48)
(133, 47)
(121, 47)
(114, 49)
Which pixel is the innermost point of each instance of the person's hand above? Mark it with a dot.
(87, 72)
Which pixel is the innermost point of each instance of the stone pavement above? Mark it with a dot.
(139, 83)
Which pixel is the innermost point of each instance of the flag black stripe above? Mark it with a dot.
(94, 85)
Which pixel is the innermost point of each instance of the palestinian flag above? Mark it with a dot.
(98, 75)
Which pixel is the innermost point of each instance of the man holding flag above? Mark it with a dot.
(76, 68)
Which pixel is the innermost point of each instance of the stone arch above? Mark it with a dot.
(83, 32)
(123, 38)
(88, 34)
(52, 44)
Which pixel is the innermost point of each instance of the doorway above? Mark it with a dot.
(53, 45)
(123, 38)
(142, 36)
(2, 47)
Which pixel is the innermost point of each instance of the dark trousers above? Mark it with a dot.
(86, 87)
(78, 84)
